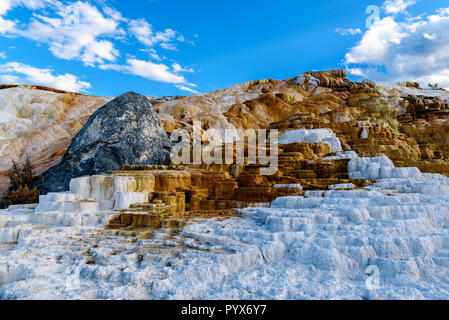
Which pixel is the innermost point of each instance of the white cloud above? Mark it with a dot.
(143, 32)
(148, 70)
(412, 49)
(8, 26)
(397, 6)
(5, 25)
(185, 88)
(76, 32)
(348, 32)
(9, 79)
(80, 30)
(114, 14)
(154, 71)
(169, 46)
(377, 41)
(154, 55)
(2, 55)
(14, 72)
(5, 6)
(177, 68)
(35, 4)
(182, 38)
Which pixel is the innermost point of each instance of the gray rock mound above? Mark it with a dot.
(126, 131)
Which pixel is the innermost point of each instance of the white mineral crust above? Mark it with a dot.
(317, 246)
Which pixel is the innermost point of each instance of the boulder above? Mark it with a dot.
(126, 131)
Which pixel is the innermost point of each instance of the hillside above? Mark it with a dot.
(347, 214)
(408, 124)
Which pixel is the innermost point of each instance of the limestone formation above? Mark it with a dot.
(39, 123)
(396, 117)
(126, 131)
(402, 121)
(352, 190)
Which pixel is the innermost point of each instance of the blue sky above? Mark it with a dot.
(172, 47)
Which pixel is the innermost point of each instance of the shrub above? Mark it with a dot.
(21, 190)
(434, 86)
(23, 195)
(20, 176)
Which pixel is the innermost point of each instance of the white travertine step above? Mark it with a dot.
(21, 208)
(106, 204)
(67, 219)
(313, 247)
(9, 235)
(81, 207)
(342, 186)
(62, 196)
(123, 200)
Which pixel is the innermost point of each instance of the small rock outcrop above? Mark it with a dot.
(3, 204)
(126, 131)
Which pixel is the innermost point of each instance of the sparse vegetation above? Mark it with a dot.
(434, 86)
(21, 176)
(21, 190)
(23, 195)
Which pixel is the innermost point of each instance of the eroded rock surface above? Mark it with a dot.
(317, 244)
(126, 131)
(402, 121)
(351, 195)
(39, 123)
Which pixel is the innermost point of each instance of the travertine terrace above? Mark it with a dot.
(361, 183)
(402, 121)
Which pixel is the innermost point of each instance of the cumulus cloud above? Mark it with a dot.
(143, 31)
(83, 31)
(8, 26)
(397, 6)
(148, 70)
(76, 31)
(5, 25)
(19, 73)
(348, 32)
(177, 68)
(410, 49)
(153, 71)
(5, 5)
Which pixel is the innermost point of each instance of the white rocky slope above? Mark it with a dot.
(39, 124)
(387, 241)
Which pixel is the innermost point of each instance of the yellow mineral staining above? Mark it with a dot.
(178, 194)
